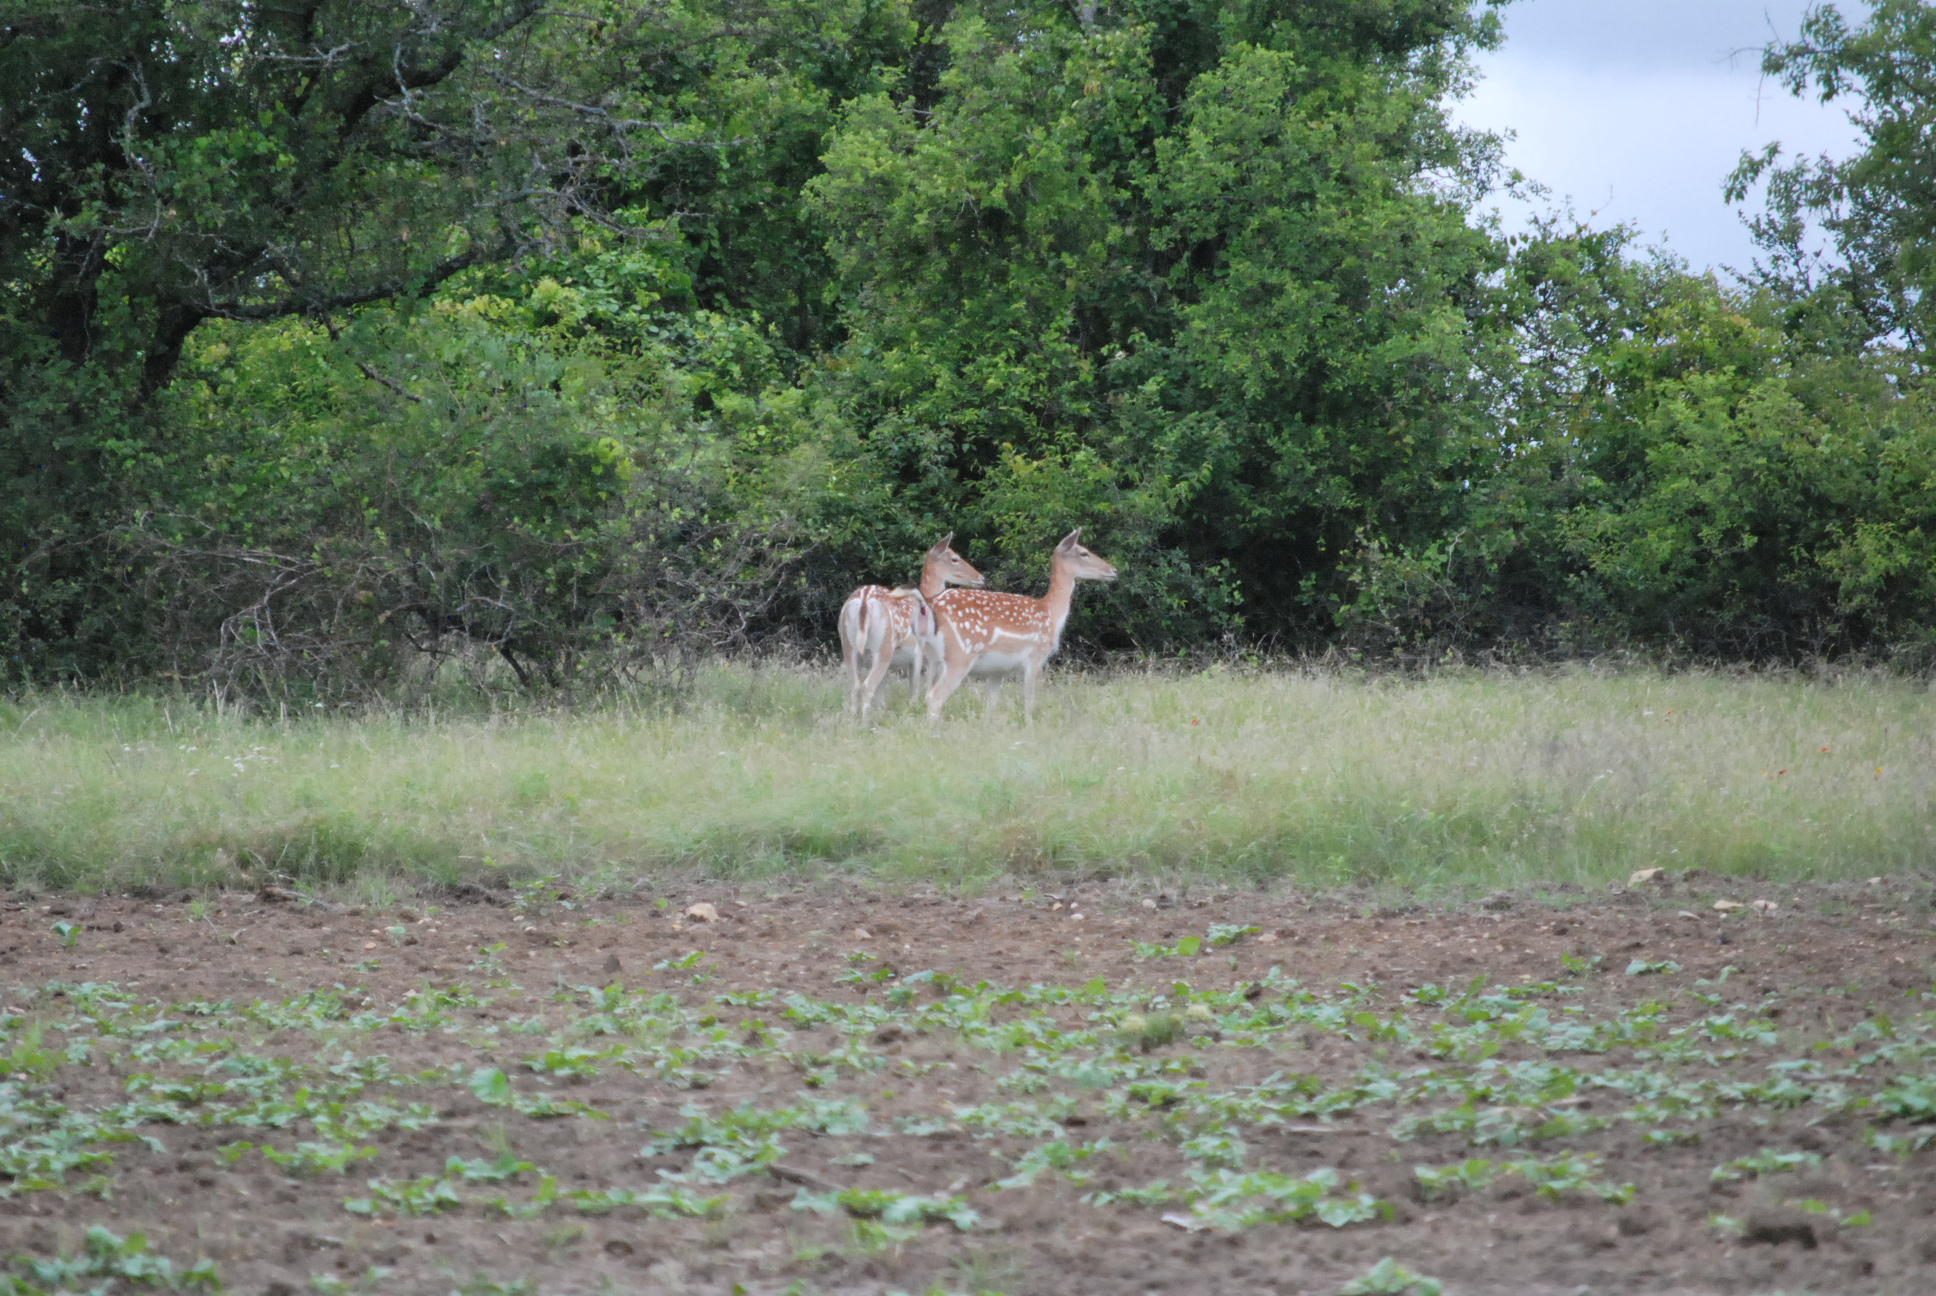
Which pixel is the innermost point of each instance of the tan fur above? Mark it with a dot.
(881, 628)
(988, 633)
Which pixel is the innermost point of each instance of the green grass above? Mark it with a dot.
(1447, 783)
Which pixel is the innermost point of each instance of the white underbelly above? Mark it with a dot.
(995, 663)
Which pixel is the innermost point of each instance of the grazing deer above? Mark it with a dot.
(896, 627)
(984, 633)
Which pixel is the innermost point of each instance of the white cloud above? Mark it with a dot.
(1637, 113)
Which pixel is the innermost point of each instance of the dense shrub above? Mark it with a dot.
(580, 344)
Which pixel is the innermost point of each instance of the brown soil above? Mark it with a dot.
(1829, 959)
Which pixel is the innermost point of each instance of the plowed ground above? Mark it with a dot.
(494, 1093)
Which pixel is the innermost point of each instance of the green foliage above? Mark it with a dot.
(105, 1255)
(1389, 1278)
(1551, 1178)
(246, 167)
(1641, 1061)
(424, 1195)
(890, 1208)
(1873, 203)
(1765, 1162)
(298, 406)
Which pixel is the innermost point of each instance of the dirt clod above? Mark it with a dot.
(1778, 1226)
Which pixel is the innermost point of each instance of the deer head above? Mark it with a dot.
(1078, 562)
(950, 566)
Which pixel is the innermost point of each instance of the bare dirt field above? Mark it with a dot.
(1101, 1090)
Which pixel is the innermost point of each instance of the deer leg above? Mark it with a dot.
(850, 651)
(1029, 671)
(952, 674)
(883, 659)
(919, 669)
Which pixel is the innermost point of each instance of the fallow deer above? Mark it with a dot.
(884, 628)
(985, 633)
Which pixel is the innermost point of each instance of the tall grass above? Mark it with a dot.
(1439, 783)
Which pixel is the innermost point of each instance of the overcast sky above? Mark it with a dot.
(1636, 110)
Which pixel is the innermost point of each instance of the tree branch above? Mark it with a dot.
(364, 368)
(361, 297)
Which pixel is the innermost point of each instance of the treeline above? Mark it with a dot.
(341, 339)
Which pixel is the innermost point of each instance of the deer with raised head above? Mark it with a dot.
(989, 634)
(881, 628)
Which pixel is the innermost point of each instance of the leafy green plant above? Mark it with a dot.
(1188, 947)
(689, 963)
(572, 1061)
(316, 1158)
(1389, 1278)
(1765, 1162)
(1233, 1200)
(1909, 1097)
(890, 1208)
(106, 1255)
(534, 897)
(1551, 1178)
(29, 1057)
(505, 1165)
(69, 933)
(490, 960)
(424, 1195)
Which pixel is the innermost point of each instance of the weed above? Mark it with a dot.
(1152, 1032)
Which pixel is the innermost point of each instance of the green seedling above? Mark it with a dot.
(1389, 1278)
(890, 1208)
(308, 1159)
(1188, 947)
(105, 1255)
(424, 1195)
(29, 1058)
(1765, 1162)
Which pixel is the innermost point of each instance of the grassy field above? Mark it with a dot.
(1442, 784)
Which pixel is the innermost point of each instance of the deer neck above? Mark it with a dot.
(932, 581)
(1062, 589)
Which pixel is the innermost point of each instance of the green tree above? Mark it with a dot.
(165, 165)
(1198, 275)
(1879, 204)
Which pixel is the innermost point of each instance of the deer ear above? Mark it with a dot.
(946, 540)
(1071, 540)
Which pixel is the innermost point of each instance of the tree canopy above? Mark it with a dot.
(342, 340)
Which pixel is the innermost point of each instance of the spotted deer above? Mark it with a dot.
(881, 628)
(985, 633)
